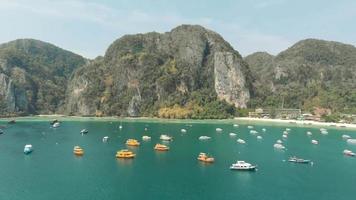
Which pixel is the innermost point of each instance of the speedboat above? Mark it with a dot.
(161, 147)
(279, 146)
(232, 134)
(183, 130)
(166, 138)
(146, 138)
(241, 141)
(27, 149)
(346, 137)
(259, 137)
(124, 153)
(250, 127)
(105, 138)
(84, 131)
(205, 158)
(218, 129)
(78, 151)
(298, 160)
(204, 137)
(56, 125)
(348, 153)
(314, 142)
(243, 166)
(351, 141)
(132, 142)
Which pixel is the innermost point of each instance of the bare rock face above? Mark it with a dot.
(141, 73)
(7, 94)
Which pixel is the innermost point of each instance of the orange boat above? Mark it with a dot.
(161, 147)
(124, 153)
(132, 142)
(205, 158)
(78, 151)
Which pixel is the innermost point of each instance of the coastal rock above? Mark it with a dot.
(7, 94)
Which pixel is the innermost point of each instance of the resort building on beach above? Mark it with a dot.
(279, 113)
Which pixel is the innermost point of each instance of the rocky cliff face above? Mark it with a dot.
(33, 76)
(142, 73)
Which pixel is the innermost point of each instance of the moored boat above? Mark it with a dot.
(105, 138)
(84, 131)
(346, 137)
(250, 127)
(295, 159)
(351, 141)
(243, 166)
(236, 125)
(161, 147)
(183, 130)
(309, 133)
(253, 132)
(78, 151)
(205, 158)
(241, 141)
(218, 129)
(348, 153)
(132, 142)
(56, 125)
(314, 142)
(124, 153)
(232, 134)
(166, 138)
(204, 137)
(28, 149)
(146, 138)
(279, 146)
(259, 137)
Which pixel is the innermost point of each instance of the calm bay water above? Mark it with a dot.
(53, 172)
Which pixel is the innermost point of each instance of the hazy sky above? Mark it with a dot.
(89, 27)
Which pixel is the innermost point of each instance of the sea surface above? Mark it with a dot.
(51, 171)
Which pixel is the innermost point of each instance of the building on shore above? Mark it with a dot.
(279, 113)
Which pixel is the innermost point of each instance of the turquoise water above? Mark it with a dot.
(53, 172)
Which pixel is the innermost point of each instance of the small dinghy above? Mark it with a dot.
(105, 138)
(259, 137)
(279, 142)
(309, 133)
(56, 125)
(27, 149)
(253, 132)
(236, 125)
(285, 136)
(218, 129)
(264, 130)
(166, 138)
(241, 141)
(183, 130)
(204, 137)
(84, 131)
(288, 129)
(351, 141)
(250, 127)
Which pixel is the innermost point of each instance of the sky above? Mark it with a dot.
(88, 27)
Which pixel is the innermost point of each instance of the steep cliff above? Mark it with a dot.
(33, 76)
(190, 67)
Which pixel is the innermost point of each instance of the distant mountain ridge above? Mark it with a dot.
(311, 73)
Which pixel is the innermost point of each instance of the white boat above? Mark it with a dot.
(84, 131)
(324, 132)
(295, 159)
(166, 138)
(309, 133)
(259, 137)
(264, 130)
(285, 132)
(120, 127)
(236, 125)
(288, 129)
(27, 149)
(348, 153)
(314, 142)
(56, 125)
(279, 146)
(204, 137)
(279, 142)
(183, 130)
(346, 137)
(285, 136)
(105, 138)
(351, 141)
(241, 141)
(253, 132)
(232, 134)
(218, 129)
(322, 129)
(146, 138)
(250, 127)
(242, 165)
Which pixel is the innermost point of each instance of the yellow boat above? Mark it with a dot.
(132, 142)
(124, 153)
(78, 151)
(205, 158)
(161, 147)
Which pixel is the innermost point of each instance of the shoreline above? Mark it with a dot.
(236, 120)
